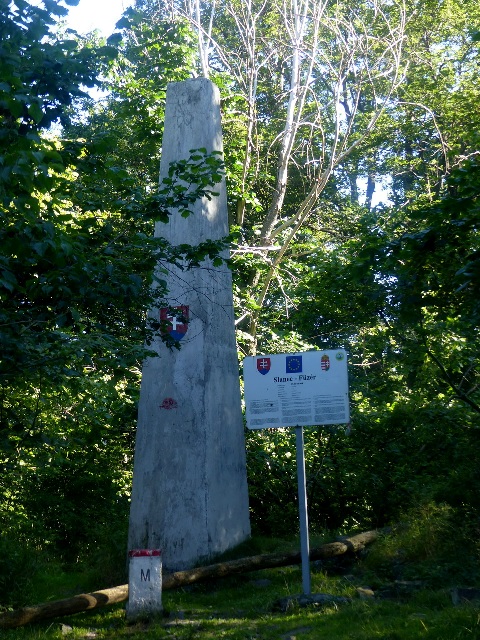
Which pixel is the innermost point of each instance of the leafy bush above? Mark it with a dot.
(19, 564)
(431, 544)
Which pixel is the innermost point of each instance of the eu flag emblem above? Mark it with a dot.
(294, 364)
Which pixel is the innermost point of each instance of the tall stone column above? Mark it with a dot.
(189, 494)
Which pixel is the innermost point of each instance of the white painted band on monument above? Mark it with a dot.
(144, 583)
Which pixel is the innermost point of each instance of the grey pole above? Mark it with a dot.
(189, 495)
(302, 512)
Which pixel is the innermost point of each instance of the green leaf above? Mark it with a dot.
(115, 39)
(8, 280)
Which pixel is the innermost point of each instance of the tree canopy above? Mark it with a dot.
(76, 267)
(351, 156)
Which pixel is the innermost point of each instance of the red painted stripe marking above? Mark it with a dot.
(142, 553)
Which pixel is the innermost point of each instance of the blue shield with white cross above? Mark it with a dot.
(175, 321)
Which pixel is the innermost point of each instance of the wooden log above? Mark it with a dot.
(65, 607)
(267, 561)
(104, 597)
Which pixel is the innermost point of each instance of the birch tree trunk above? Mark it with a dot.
(333, 58)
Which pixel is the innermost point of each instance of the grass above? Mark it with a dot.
(243, 607)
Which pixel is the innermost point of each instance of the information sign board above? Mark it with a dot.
(296, 389)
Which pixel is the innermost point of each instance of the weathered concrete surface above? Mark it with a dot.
(189, 494)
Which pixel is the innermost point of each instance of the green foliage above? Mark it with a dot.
(272, 481)
(188, 181)
(425, 546)
(150, 53)
(19, 566)
(76, 267)
(41, 75)
(399, 291)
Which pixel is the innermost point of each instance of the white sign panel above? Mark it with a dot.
(296, 389)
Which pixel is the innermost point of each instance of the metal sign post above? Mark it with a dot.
(297, 390)
(302, 512)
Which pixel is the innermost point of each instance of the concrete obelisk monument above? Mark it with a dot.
(189, 495)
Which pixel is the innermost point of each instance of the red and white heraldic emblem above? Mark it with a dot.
(263, 365)
(175, 320)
